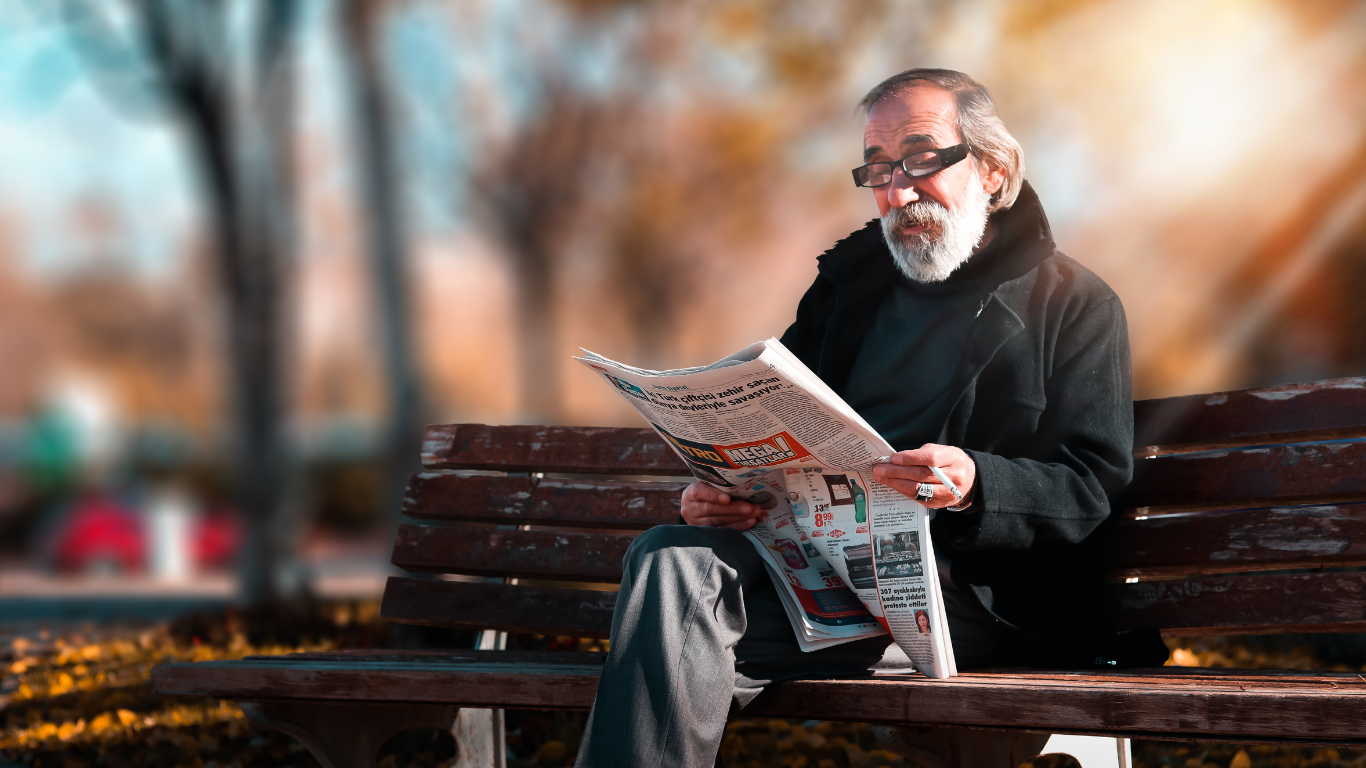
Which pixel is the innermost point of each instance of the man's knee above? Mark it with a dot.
(667, 536)
(679, 544)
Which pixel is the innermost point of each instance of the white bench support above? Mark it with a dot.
(1092, 751)
(480, 740)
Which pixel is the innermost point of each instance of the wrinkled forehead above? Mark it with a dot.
(922, 117)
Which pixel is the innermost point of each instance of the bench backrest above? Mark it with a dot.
(1241, 518)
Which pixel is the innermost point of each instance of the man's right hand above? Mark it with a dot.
(708, 505)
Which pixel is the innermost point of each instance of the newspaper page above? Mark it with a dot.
(851, 558)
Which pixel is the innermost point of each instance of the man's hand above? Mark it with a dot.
(707, 505)
(911, 468)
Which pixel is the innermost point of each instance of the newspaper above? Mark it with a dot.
(851, 558)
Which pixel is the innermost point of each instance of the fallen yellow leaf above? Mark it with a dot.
(1184, 658)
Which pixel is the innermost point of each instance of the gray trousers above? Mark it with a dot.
(698, 626)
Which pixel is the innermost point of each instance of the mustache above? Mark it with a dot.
(918, 213)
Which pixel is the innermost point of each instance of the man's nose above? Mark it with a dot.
(901, 191)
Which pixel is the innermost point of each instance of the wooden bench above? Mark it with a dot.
(1242, 519)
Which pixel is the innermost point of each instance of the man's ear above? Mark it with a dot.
(992, 179)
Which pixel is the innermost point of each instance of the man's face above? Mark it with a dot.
(932, 223)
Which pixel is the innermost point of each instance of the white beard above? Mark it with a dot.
(931, 255)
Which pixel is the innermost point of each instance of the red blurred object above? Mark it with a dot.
(217, 536)
(100, 531)
(101, 534)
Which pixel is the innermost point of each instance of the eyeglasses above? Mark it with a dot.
(915, 166)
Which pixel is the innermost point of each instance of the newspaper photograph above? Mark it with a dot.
(851, 558)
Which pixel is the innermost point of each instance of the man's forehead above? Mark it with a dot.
(916, 116)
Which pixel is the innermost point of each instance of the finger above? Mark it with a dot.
(944, 456)
(911, 457)
(904, 487)
(724, 521)
(916, 472)
(941, 498)
(704, 492)
(736, 507)
(712, 498)
(732, 510)
(743, 525)
(908, 472)
(728, 514)
(928, 455)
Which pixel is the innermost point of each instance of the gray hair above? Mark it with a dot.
(978, 122)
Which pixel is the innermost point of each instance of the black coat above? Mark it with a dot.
(1044, 407)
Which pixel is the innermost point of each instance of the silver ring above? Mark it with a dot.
(925, 492)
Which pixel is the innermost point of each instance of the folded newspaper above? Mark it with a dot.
(851, 557)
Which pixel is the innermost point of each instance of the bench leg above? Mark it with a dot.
(347, 735)
(1092, 751)
(479, 737)
(949, 747)
(479, 733)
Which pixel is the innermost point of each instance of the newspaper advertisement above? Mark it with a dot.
(851, 558)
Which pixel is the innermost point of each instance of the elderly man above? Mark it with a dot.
(956, 329)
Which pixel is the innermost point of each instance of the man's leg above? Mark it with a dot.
(768, 652)
(698, 624)
(679, 613)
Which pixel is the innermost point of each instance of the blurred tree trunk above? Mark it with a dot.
(538, 365)
(537, 187)
(234, 96)
(382, 200)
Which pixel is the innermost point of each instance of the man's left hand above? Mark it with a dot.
(911, 468)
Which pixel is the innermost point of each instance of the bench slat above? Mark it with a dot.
(1259, 604)
(572, 450)
(1312, 474)
(438, 656)
(1326, 710)
(508, 608)
(505, 607)
(1323, 410)
(1320, 410)
(518, 500)
(1308, 708)
(1256, 604)
(524, 554)
(512, 683)
(1248, 540)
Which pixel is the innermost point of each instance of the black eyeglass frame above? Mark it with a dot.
(947, 156)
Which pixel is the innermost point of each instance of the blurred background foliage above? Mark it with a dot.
(248, 248)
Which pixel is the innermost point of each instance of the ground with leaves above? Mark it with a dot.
(82, 700)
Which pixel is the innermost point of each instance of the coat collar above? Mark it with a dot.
(862, 269)
(1023, 239)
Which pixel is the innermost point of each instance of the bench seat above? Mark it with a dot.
(1166, 702)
